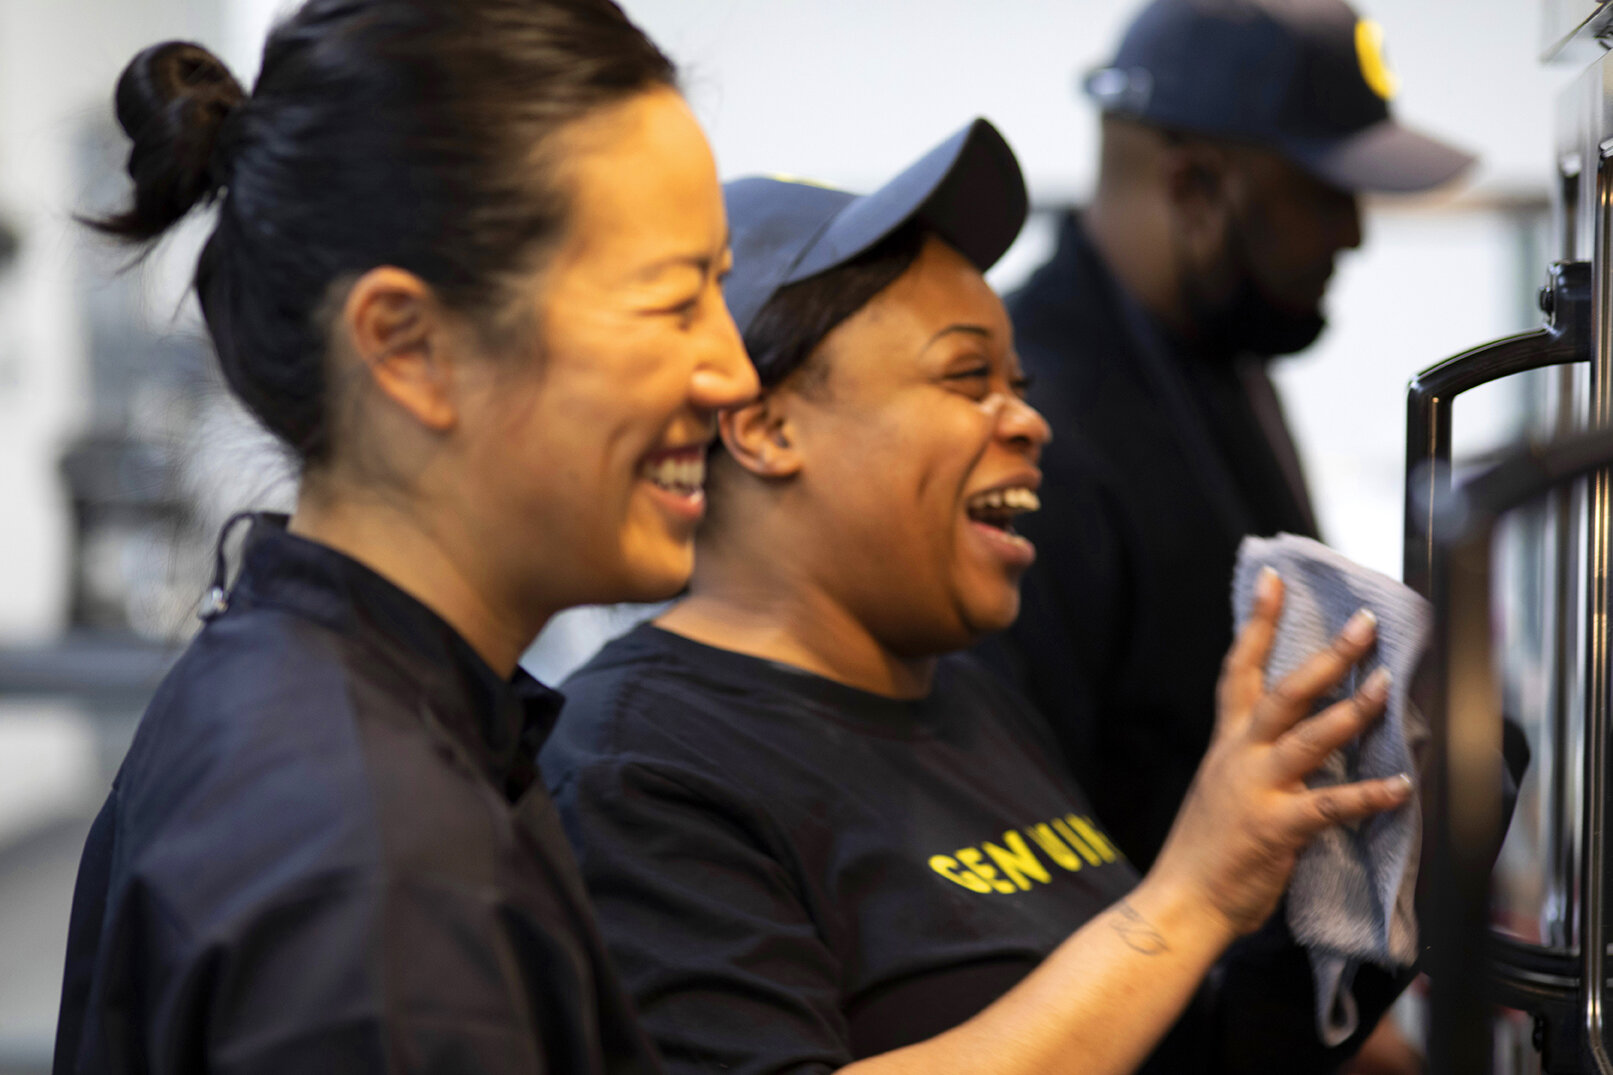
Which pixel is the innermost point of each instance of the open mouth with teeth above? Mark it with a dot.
(682, 472)
(997, 508)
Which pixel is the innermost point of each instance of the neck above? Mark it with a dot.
(733, 606)
(416, 553)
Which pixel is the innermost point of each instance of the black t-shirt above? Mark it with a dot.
(326, 851)
(792, 873)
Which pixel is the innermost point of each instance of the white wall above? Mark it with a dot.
(850, 89)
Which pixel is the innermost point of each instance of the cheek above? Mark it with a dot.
(590, 420)
(541, 446)
(894, 476)
(932, 469)
(1283, 243)
(885, 469)
(612, 370)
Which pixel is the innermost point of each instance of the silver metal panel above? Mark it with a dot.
(1574, 31)
(1540, 609)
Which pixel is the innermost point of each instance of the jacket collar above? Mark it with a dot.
(1154, 357)
(499, 723)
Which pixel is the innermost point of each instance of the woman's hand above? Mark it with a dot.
(1100, 1003)
(1248, 812)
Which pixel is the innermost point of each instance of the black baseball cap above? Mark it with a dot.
(968, 190)
(1304, 77)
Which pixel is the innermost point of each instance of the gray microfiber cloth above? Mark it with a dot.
(1350, 900)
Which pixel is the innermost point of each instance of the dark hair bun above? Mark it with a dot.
(411, 133)
(172, 101)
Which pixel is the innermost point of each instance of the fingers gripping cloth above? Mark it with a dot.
(1350, 900)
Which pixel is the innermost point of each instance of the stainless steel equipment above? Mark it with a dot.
(1517, 564)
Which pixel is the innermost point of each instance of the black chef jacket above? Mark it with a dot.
(326, 852)
(1162, 460)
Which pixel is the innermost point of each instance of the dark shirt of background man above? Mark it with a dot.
(1149, 346)
(1125, 617)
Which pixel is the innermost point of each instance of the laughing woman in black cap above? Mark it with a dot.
(815, 841)
(465, 266)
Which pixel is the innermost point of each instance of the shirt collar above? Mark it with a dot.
(502, 723)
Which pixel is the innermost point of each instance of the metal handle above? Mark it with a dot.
(1564, 337)
(1464, 793)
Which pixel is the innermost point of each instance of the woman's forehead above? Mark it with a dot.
(644, 186)
(942, 298)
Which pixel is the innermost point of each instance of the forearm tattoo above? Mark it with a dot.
(1137, 932)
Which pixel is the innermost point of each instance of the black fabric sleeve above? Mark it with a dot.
(705, 921)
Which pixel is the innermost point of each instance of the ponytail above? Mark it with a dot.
(380, 132)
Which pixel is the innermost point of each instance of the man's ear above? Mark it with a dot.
(397, 331)
(1196, 178)
(760, 437)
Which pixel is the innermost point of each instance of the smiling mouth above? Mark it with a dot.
(681, 472)
(997, 508)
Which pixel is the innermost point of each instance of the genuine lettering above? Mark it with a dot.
(1012, 864)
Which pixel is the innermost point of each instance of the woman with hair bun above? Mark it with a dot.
(465, 266)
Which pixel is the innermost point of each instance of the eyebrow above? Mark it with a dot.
(973, 330)
(700, 262)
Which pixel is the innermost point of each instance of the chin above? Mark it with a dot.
(990, 617)
(659, 577)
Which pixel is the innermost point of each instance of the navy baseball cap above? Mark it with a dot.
(968, 190)
(1306, 78)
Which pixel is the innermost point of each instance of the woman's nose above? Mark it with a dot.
(1021, 423)
(724, 377)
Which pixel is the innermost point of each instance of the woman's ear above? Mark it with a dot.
(760, 438)
(397, 331)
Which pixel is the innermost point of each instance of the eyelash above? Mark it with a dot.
(685, 311)
(1021, 384)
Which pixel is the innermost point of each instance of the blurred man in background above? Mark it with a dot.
(1236, 137)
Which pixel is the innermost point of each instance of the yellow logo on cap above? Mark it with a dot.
(785, 177)
(1369, 50)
